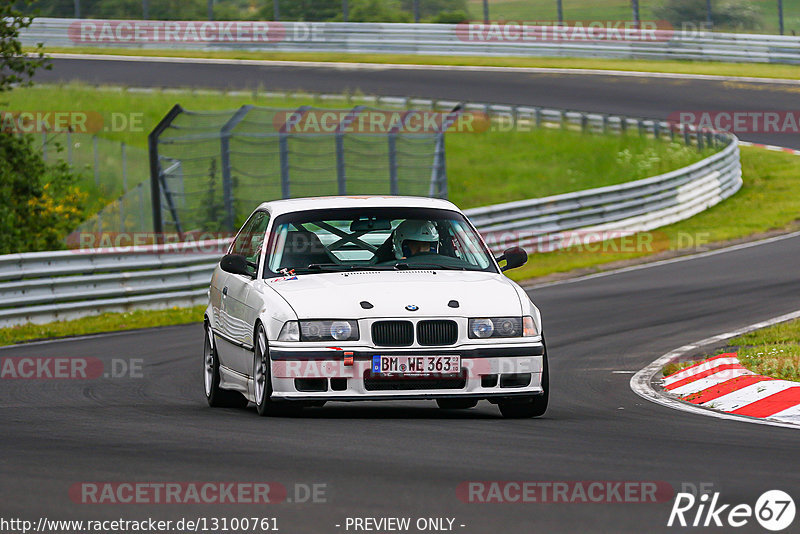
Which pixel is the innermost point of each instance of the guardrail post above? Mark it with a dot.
(584, 122)
(225, 161)
(605, 124)
(69, 147)
(538, 117)
(687, 139)
(699, 136)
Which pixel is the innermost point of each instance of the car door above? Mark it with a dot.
(240, 311)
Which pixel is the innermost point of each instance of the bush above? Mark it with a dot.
(451, 17)
(41, 203)
(739, 14)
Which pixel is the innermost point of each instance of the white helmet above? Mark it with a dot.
(414, 230)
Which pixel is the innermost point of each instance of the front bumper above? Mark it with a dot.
(488, 371)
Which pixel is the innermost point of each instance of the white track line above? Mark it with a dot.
(641, 381)
(652, 264)
(347, 65)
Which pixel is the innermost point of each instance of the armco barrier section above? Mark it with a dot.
(397, 38)
(46, 286)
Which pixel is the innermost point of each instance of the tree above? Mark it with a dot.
(15, 67)
(41, 202)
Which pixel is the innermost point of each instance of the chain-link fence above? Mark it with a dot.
(211, 169)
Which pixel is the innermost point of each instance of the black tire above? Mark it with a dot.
(532, 406)
(262, 373)
(262, 381)
(215, 395)
(456, 404)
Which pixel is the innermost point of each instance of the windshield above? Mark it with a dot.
(375, 239)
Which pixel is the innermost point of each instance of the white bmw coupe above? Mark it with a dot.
(370, 298)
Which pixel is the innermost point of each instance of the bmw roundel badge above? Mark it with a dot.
(411, 307)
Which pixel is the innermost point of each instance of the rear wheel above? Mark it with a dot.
(456, 404)
(215, 395)
(532, 406)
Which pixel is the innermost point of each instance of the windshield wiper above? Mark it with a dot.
(340, 267)
(403, 266)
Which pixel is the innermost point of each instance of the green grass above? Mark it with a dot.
(758, 70)
(483, 168)
(768, 200)
(106, 322)
(545, 10)
(772, 351)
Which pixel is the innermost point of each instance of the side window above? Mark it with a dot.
(251, 238)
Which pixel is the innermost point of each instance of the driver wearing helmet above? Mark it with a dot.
(413, 237)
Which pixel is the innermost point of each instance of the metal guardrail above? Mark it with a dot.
(47, 286)
(425, 39)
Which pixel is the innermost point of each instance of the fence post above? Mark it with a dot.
(225, 161)
(283, 147)
(124, 168)
(341, 171)
(140, 187)
(96, 170)
(155, 169)
(393, 188)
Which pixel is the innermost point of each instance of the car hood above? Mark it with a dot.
(339, 295)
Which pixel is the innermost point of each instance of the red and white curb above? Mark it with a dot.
(647, 382)
(774, 148)
(723, 383)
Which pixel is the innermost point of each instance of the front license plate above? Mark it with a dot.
(416, 365)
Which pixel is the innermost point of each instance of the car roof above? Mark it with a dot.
(280, 207)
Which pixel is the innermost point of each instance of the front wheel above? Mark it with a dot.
(215, 395)
(532, 406)
(262, 380)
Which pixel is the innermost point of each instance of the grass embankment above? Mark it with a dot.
(107, 322)
(711, 68)
(483, 168)
(772, 351)
(769, 200)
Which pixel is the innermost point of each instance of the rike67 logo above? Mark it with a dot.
(774, 510)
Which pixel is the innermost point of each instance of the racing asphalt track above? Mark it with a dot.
(407, 458)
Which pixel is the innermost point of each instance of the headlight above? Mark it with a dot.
(289, 332)
(501, 327)
(335, 330)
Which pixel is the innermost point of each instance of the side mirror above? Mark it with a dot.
(236, 264)
(515, 257)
